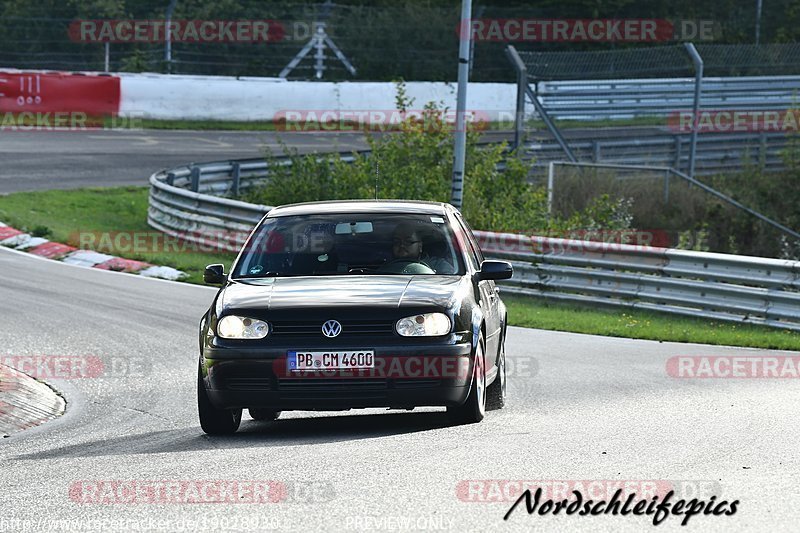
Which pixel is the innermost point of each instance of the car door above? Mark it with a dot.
(488, 298)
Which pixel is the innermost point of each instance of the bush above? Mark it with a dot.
(416, 163)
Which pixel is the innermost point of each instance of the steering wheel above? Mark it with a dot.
(406, 266)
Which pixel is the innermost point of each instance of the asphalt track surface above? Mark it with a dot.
(41, 160)
(596, 409)
(581, 408)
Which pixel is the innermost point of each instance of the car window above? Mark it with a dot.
(342, 244)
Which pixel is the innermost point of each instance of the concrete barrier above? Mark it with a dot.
(158, 96)
(183, 97)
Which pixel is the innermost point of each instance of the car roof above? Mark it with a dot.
(361, 206)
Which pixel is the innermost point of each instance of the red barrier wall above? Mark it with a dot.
(58, 92)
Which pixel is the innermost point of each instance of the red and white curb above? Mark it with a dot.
(25, 402)
(14, 238)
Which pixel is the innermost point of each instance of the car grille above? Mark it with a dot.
(339, 389)
(315, 388)
(297, 328)
(260, 384)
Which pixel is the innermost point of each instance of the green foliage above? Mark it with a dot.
(417, 163)
(135, 62)
(41, 231)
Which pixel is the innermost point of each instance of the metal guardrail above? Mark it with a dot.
(716, 152)
(188, 203)
(667, 99)
(604, 99)
(724, 287)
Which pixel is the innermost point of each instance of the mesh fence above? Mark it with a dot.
(386, 40)
(651, 62)
(750, 59)
(664, 62)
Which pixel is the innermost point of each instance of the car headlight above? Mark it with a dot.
(425, 325)
(238, 327)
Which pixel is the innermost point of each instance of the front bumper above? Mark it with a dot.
(404, 377)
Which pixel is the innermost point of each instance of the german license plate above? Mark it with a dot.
(339, 360)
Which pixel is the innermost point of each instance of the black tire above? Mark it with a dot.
(263, 415)
(496, 392)
(215, 421)
(474, 409)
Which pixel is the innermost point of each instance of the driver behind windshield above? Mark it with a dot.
(407, 245)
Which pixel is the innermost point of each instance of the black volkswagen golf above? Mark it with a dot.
(354, 304)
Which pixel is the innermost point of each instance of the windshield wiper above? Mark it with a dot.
(264, 275)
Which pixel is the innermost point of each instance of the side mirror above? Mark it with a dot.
(214, 274)
(495, 270)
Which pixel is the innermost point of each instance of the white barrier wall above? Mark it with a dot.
(160, 96)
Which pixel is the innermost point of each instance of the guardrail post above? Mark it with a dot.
(195, 178)
(522, 80)
(170, 178)
(698, 67)
(236, 173)
(562, 142)
(551, 171)
(519, 65)
(595, 151)
(666, 187)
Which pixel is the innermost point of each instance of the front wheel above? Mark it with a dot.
(474, 409)
(496, 392)
(215, 421)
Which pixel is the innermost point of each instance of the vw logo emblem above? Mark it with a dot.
(331, 328)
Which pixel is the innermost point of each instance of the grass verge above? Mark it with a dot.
(63, 215)
(323, 128)
(69, 216)
(635, 324)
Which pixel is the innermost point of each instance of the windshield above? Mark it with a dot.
(347, 244)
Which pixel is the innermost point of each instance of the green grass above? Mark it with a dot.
(270, 126)
(221, 125)
(63, 216)
(635, 324)
(265, 125)
(137, 123)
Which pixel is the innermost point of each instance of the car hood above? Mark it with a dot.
(340, 291)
